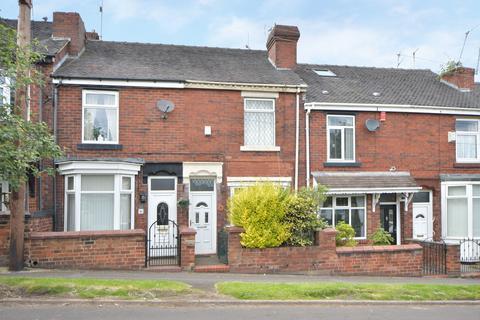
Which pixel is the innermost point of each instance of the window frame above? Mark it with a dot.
(469, 196)
(5, 190)
(254, 146)
(116, 107)
(333, 207)
(468, 133)
(342, 128)
(5, 85)
(117, 192)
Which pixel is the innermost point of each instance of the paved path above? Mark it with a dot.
(206, 281)
(140, 312)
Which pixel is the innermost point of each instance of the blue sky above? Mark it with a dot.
(346, 32)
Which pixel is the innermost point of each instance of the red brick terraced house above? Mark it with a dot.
(157, 133)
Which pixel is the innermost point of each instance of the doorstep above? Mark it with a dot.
(164, 269)
(212, 268)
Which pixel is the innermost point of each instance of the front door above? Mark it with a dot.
(162, 216)
(388, 219)
(201, 217)
(422, 215)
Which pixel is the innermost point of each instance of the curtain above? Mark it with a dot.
(466, 146)
(125, 210)
(335, 144)
(96, 212)
(457, 217)
(348, 143)
(70, 212)
(100, 124)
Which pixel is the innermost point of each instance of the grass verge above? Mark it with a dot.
(91, 288)
(347, 291)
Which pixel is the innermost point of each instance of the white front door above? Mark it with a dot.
(422, 215)
(162, 208)
(203, 215)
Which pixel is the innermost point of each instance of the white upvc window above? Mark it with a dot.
(350, 209)
(259, 124)
(100, 117)
(99, 202)
(237, 183)
(467, 140)
(4, 195)
(461, 210)
(340, 138)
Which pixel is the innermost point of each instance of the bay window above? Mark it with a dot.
(467, 140)
(259, 123)
(100, 117)
(349, 209)
(340, 138)
(462, 210)
(98, 202)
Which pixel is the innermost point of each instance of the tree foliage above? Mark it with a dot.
(22, 143)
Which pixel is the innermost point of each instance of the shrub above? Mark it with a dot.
(381, 237)
(260, 211)
(301, 215)
(345, 235)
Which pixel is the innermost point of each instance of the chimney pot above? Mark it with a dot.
(282, 46)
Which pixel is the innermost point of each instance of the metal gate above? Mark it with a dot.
(163, 244)
(470, 255)
(434, 257)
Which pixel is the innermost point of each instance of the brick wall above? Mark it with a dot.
(32, 224)
(87, 250)
(324, 257)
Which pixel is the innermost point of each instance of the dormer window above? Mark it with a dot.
(324, 73)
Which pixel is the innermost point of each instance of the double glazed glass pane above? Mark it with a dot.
(358, 222)
(348, 143)
(466, 126)
(466, 146)
(259, 129)
(457, 217)
(101, 99)
(96, 212)
(201, 184)
(98, 183)
(457, 191)
(340, 121)
(326, 214)
(126, 183)
(162, 184)
(341, 215)
(358, 201)
(336, 143)
(125, 211)
(70, 212)
(100, 124)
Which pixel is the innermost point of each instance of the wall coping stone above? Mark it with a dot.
(387, 249)
(234, 229)
(329, 230)
(187, 231)
(86, 234)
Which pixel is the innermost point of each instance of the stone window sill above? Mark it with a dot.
(260, 148)
(94, 146)
(342, 164)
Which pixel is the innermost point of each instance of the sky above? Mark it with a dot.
(342, 32)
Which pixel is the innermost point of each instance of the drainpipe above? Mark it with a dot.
(40, 164)
(307, 147)
(55, 107)
(297, 136)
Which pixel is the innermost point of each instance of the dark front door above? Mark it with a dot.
(388, 219)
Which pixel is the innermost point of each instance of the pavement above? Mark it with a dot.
(214, 312)
(207, 281)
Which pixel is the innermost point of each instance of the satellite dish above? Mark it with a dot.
(165, 106)
(372, 124)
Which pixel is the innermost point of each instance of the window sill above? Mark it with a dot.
(466, 165)
(260, 148)
(342, 164)
(95, 146)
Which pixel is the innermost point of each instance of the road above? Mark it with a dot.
(330, 312)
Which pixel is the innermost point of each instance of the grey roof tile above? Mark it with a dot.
(365, 180)
(396, 86)
(143, 61)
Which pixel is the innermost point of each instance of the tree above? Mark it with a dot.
(22, 143)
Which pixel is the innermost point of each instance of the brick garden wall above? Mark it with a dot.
(87, 250)
(325, 257)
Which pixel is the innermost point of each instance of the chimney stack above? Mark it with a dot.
(282, 46)
(461, 78)
(69, 25)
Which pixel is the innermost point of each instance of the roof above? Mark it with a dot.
(395, 86)
(160, 62)
(42, 31)
(365, 182)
